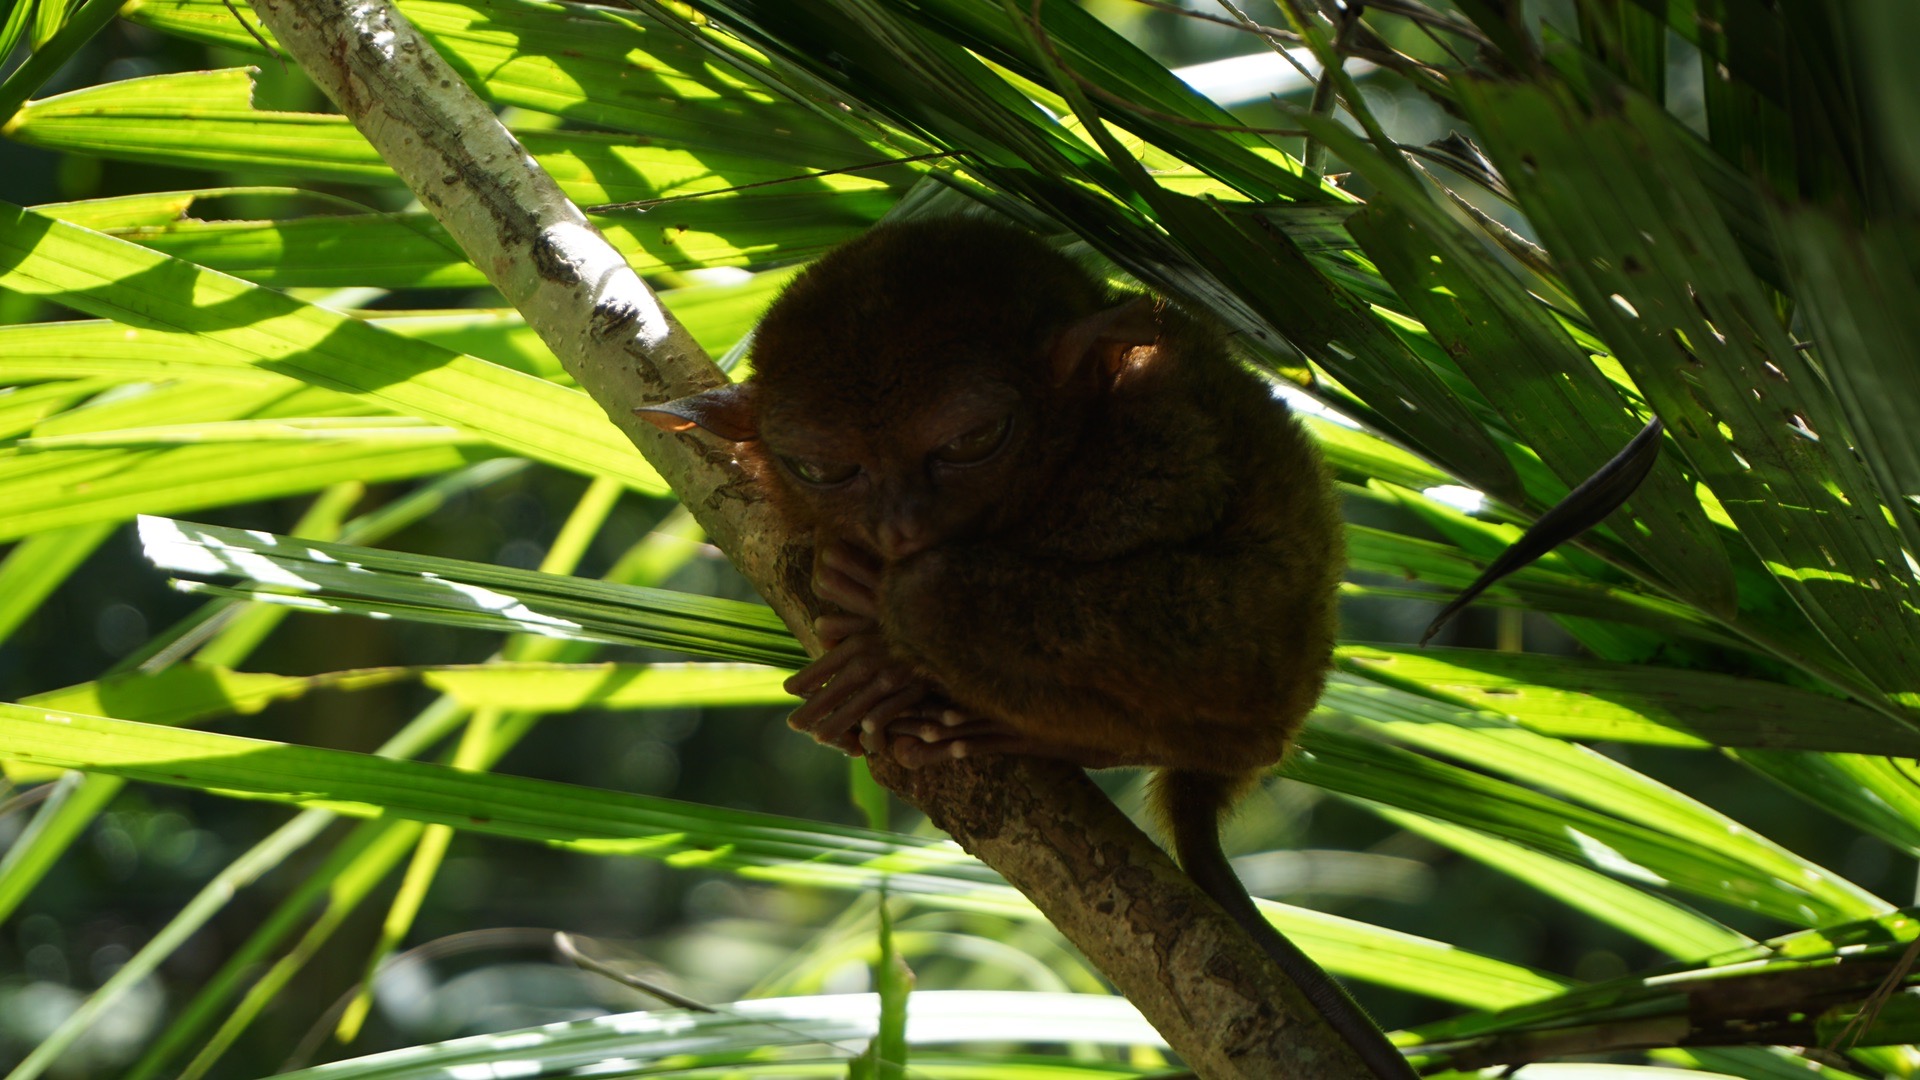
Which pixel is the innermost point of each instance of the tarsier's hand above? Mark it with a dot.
(863, 700)
(848, 577)
(855, 684)
(856, 692)
(855, 689)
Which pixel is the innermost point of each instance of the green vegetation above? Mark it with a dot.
(1697, 209)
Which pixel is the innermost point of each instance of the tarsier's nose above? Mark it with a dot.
(900, 537)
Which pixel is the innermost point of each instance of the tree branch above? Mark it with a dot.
(1044, 826)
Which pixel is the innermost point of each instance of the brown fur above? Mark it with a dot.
(1147, 571)
(1144, 574)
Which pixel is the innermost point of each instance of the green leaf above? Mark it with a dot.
(1644, 248)
(1853, 286)
(75, 801)
(1516, 352)
(1632, 703)
(117, 351)
(758, 846)
(1678, 931)
(15, 25)
(1537, 587)
(409, 251)
(60, 31)
(1415, 965)
(249, 325)
(146, 208)
(618, 70)
(570, 687)
(371, 850)
(788, 1036)
(23, 407)
(1592, 778)
(1768, 980)
(470, 594)
(68, 488)
(1644, 834)
(242, 872)
(1877, 793)
(1338, 331)
(360, 785)
(206, 119)
(1359, 456)
(198, 117)
(187, 693)
(368, 430)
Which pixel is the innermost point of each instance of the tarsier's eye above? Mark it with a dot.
(820, 473)
(976, 445)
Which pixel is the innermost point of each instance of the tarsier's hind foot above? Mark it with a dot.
(947, 734)
(926, 737)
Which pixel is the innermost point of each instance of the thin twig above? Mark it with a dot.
(30, 797)
(1429, 19)
(1391, 59)
(469, 941)
(563, 943)
(1247, 27)
(1274, 40)
(1524, 251)
(1435, 37)
(1849, 1036)
(1419, 14)
(255, 34)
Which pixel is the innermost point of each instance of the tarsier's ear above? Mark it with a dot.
(1104, 338)
(727, 411)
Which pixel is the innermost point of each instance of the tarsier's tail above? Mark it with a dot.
(1190, 806)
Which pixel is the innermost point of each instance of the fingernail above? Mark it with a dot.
(951, 717)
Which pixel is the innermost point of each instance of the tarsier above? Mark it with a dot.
(1054, 520)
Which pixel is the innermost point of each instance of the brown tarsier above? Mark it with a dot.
(1056, 520)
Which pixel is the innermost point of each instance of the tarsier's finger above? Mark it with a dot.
(857, 565)
(848, 744)
(888, 710)
(933, 730)
(993, 744)
(880, 718)
(821, 715)
(808, 680)
(911, 753)
(874, 687)
(869, 684)
(914, 754)
(834, 629)
(836, 587)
